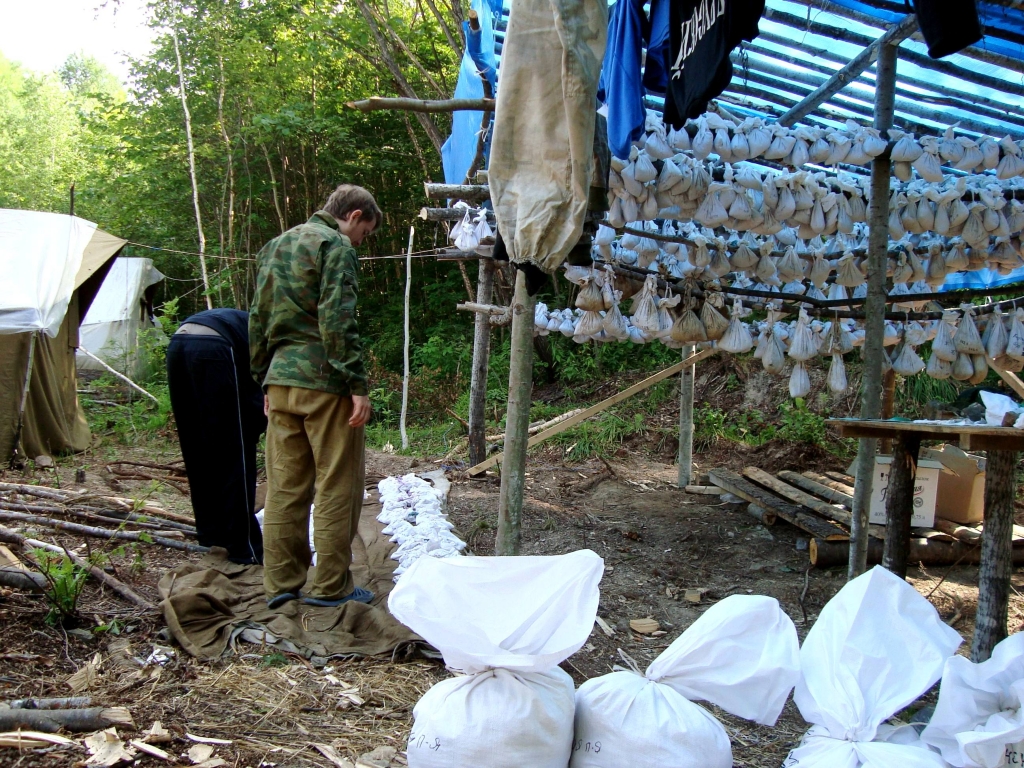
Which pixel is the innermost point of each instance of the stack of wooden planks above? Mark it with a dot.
(820, 505)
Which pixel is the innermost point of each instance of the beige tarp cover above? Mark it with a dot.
(542, 154)
(54, 422)
(210, 605)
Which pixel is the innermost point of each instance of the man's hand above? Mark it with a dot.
(361, 411)
(266, 405)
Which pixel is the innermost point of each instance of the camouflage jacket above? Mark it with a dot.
(302, 325)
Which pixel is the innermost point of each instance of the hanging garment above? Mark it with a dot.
(542, 155)
(659, 56)
(620, 84)
(704, 32)
(948, 26)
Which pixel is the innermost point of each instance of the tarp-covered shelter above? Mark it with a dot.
(122, 307)
(51, 267)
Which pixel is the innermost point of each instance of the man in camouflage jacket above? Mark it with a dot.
(306, 354)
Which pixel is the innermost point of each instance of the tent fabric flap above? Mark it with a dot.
(542, 154)
(40, 257)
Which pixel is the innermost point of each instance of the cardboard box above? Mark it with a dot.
(926, 488)
(961, 484)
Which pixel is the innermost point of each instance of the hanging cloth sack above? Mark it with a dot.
(875, 648)
(799, 381)
(645, 308)
(737, 339)
(837, 375)
(996, 337)
(740, 655)
(714, 323)
(942, 344)
(979, 718)
(937, 367)
(590, 298)
(506, 623)
(963, 367)
(908, 362)
(966, 338)
(774, 357)
(948, 26)
(688, 328)
(802, 345)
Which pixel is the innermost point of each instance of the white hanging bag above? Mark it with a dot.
(740, 655)
(875, 648)
(505, 623)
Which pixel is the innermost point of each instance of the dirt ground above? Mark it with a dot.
(657, 543)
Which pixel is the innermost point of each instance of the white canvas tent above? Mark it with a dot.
(51, 267)
(120, 310)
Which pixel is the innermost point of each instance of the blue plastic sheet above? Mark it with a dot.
(458, 151)
(983, 278)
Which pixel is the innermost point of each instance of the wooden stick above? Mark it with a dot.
(797, 496)
(684, 454)
(405, 344)
(484, 309)
(74, 720)
(68, 702)
(20, 578)
(962, 533)
(114, 517)
(481, 363)
(595, 409)
(376, 103)
(128, 505)
(121, 376)
(540, 427)
(116, 585)
(827, 492)
(99, 533)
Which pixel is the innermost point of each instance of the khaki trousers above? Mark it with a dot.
(313, 456)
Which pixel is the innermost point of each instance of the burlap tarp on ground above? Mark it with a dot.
(212, 605)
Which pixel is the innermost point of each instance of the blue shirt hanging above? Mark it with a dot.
(621, 87)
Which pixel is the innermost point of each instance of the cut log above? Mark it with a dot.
(75, 720)
(761, 514)
(828, 492)
(787, 491)
(842, 477)
(791, 513)
(539, 427)
(927, 551)
(66, 702)
(18, 578)
(960, 532)
(706, 490)
(469, 192)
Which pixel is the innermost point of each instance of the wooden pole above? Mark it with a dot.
(888, 406)
(851, 71)
(874, 309)
(685, 456)
(26, 383)
(405, 377)
(996, 554)
(118, 374)
(375, 103)
(481, 362)
(517, 421)
(899, 502)
(474, 193)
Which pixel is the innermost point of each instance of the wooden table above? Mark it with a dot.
(996, 564)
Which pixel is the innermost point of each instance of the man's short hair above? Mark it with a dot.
(347, 198)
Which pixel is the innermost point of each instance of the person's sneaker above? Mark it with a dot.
(359, 595)
(279, 600)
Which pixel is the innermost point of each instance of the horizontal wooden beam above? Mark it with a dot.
(378, 103)
(472, 193)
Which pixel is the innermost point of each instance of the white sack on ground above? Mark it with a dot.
(875, 648)
(979, 720)
(742, 655)
(40, 254)
(542, 153)
(505, 623)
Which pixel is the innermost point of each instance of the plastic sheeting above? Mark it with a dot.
(542, 156)
(111, 327)
(458, 151)
(40, 255)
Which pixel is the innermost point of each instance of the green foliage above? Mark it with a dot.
(274, 659)
(65, 582)
(801, 425)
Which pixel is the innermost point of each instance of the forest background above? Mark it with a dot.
(266, 84)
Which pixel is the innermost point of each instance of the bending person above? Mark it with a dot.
(219, 412)
(307, 355)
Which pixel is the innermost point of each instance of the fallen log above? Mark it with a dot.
(761, 514)
(926, 551)
(75, 720)
(99, 533)
(791, 513)
(116, 585)
(827, 492)
(841, 477)
(67, 702)
(960, 532)
(18, 578)
(78, 499)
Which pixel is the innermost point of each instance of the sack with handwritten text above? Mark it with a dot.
(876, 647)
(979, 719)
(741, 655)
(503, 624)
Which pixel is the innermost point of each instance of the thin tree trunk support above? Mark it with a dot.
(26, 383)
(874, 309)
(405, 348)
(685, 453)
(481, 362)
(996, 554)
(517, 421)
(377, 103)
(888, 406)
(899, 502)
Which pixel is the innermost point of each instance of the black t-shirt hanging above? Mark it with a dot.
(703, 34)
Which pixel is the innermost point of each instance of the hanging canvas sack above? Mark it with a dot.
(740, 655)
(875, 648)
(504, 623)
(979, 719)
